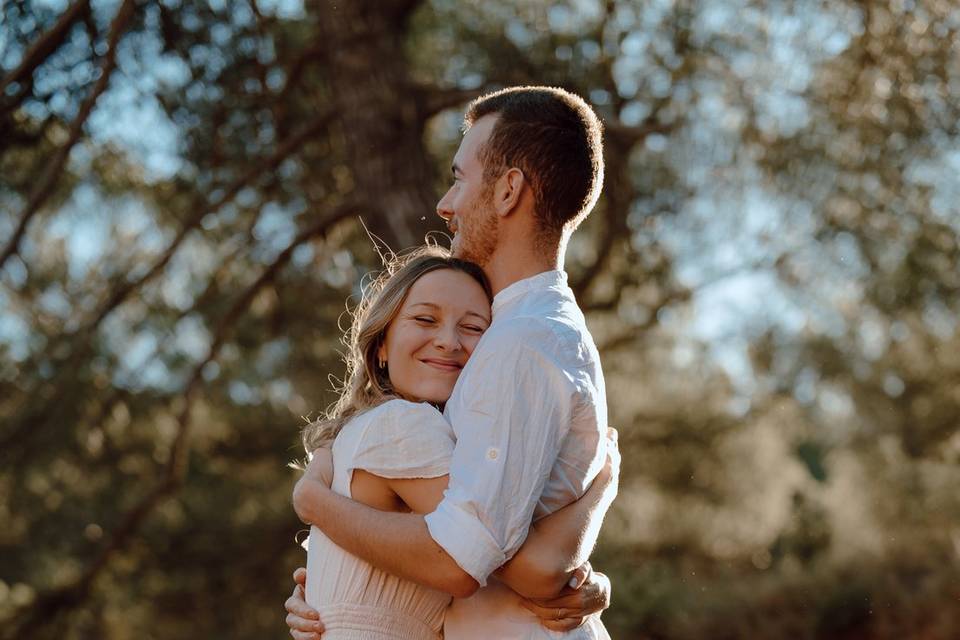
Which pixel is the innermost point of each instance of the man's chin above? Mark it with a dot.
(456, 248)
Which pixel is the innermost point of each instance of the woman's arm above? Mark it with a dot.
(561, 542)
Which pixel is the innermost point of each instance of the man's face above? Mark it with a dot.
(468, 204)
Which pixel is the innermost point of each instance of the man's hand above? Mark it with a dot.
(317, 477)
(571, 608)
(320, 468)
(303, 620)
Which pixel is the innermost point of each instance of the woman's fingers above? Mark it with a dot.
(580, 575)
(300, 576)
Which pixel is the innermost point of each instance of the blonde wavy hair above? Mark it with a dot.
(367, 385)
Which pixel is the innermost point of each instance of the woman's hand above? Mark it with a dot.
(571, 608)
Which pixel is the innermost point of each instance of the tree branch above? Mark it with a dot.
(431, 99)
(48, 181)
(287, 148)
(46, 45)
(174, 471)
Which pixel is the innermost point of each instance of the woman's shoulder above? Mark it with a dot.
(395, 413)
(398, 439)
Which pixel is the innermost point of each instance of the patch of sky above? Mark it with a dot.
(272, 356)
(242, 393)
(589, 50)
(872, 336)
(587, 10)
(634, 112)
(276, 79)
(561, 19)
(286, 9)
(519, 33)
(274, 230)
(834, 402)
(129, 115)
(16, 271)
(187, 272)
(83, 224)
(940, 175)
(54, 301)
(893, 385)
(628, 74)
(14, 332)
(941, 321)
(782, 113)
(279, 391)
(191, 337)
(136, 351)
(221, 34)
(846, 249)
(659, 82)
(302, 256)
(341, 269)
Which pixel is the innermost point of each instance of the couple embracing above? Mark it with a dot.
(458, 485)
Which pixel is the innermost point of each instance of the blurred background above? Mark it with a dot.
(771, 276)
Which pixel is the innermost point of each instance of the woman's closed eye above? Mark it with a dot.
(424, 319)
(472, 328)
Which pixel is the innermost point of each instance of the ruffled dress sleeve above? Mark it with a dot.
(404, 439)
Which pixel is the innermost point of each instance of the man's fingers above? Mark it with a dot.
(544, 613)
(297, 606)
(564, 624)
(603, 590)
(612, 434)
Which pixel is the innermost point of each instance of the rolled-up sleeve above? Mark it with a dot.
(510, 422)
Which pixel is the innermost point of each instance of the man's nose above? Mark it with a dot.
(443, 208)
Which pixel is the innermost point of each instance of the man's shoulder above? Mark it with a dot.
(554, 338)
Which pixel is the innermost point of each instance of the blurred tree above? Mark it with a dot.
(771, 274)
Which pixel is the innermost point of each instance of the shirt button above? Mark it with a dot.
(493, 453)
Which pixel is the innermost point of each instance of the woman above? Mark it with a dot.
(412, 334)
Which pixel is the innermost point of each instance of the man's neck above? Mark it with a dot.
(512, 264)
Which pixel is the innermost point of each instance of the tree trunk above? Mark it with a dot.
(368, 76)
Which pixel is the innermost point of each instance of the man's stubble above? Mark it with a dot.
(478, 240)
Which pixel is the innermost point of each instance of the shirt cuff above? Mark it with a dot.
(466, 540)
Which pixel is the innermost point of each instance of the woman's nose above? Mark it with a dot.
(447, 338)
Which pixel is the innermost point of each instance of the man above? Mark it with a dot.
(529, 408)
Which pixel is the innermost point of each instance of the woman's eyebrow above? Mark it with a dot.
(474, 313)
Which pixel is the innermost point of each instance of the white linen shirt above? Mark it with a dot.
(530, 418)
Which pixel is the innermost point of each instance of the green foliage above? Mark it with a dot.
(771, 275)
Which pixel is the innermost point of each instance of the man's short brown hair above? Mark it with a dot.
(555, 139)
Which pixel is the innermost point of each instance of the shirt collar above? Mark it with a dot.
(546, 280)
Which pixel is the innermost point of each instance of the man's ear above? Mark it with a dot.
(507, 192)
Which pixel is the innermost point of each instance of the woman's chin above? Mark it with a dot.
(428, 393)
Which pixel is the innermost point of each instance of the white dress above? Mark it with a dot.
(357, 601)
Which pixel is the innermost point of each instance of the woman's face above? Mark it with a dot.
(434, 333)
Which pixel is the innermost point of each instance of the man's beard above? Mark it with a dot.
(478, 240)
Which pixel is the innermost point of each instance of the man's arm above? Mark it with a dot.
(562, 542)
(398, 543)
